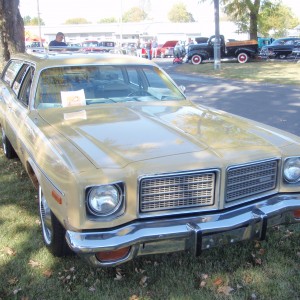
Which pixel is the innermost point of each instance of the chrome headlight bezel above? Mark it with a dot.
(104, 200)
(291, 169)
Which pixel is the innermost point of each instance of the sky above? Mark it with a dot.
(55, 12)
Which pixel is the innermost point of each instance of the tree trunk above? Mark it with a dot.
(254, 10)
(12, 36)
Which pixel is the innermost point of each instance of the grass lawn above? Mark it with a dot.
(250, 270)
(279, 72)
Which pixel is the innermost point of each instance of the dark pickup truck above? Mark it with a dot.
(242, 50)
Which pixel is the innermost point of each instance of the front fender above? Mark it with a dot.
(204, 54)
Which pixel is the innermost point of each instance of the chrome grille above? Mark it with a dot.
(177, 191)
(247, 180)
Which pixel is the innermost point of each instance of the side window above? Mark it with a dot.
(26, 87)
(133, 76)
(11, 71)
(18, 81)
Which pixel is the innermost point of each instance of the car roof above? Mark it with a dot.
(46, 60)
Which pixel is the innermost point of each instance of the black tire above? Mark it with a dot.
(8, 149)
(196, 59)
(243, 57)
(53, 232)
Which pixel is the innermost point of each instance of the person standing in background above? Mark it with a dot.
(139, 48)
(59, 41)
(148, 49)
(154, 48)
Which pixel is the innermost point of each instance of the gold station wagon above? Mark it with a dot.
(126, 166)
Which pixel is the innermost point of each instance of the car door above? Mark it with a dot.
(18, 107)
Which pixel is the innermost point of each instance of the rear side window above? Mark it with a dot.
(11, 71)
(18, 81)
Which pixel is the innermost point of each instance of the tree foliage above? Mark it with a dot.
(255, 16)
(276, 18)
(28, 21)
(12, 39)
(135, 14)
(77, 21)
(108, 20)
(179, 14)
(245, 14)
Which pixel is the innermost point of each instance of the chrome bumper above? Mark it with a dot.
(194, 233)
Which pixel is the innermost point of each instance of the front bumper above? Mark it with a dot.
(193, 233)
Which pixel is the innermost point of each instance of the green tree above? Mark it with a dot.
(28, 21)
(135, 14)
(77, 21)
(108, 20)
(245, 14)
(179, 14)
(276, 18)
(255, 16)
(12, 36)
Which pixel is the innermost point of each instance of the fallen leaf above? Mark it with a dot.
(202, 284)
(9, 251)
(118, 277)
(34, 263)
(218, 281)
(262, 251)
(141, 271)
(47, 273)
(16, 291)
(13, 280)
(226, 290)
(143, 281)
(134, 297)
(258, 261)
(204, 276)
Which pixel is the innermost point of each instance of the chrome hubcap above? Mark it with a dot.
(3, 141)
(45, 214)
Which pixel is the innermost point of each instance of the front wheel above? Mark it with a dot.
(53, 232)
(8, 149)
(196, 59)
(243, 58)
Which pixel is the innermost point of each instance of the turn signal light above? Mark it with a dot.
(113, 255)
(297, 214)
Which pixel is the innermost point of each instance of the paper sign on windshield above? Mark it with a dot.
(73, 98)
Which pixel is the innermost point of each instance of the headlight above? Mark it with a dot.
(291, 169)
(104, 200)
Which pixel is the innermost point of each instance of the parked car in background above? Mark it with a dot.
(126, 166)
(240, 50)
(129, 48)
(167, 49)
(280, 48)
(158, 52)
(264, 41)
(98, 46)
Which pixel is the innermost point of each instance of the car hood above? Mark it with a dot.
(169, 44)
(116, 135)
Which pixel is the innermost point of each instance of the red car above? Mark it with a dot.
(167, 49)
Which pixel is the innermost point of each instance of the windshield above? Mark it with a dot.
(86, 85)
